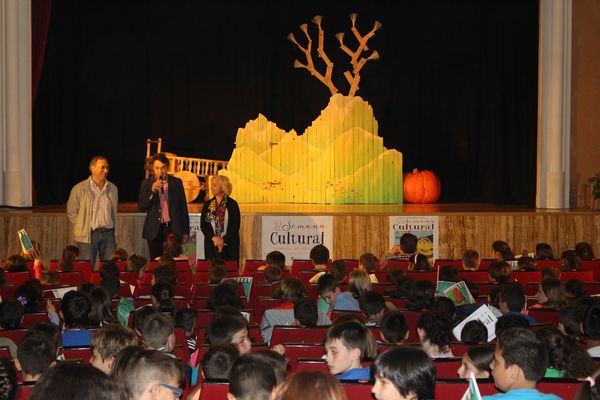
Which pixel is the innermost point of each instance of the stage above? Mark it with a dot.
(356, 228)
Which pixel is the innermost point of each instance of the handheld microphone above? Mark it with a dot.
(162, 189)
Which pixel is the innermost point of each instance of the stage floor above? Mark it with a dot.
(338, 209)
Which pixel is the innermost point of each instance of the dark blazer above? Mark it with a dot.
(148, 202)
(231, 250)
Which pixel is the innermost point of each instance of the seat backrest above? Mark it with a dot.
(295, 334)
(298, 265)
(422, 275)
(82, 353)
(584, 276)
(456, 388)
(357, 390)
(524, 277)
(31, 319)
(548, 263)
(452, 263)
(214, 390)
(24, 391)
(447, 367)
(72, 278)
(85, 267)
(545, 316)
(17, 278)
(13, 334)
(252, 265)
(312, 365)
(563, 388)
(7, 291)
(474, 276)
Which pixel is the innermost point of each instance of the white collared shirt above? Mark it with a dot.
(101, 207)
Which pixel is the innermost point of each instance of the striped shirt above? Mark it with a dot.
(101, 208)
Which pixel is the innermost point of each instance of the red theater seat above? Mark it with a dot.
(214, 390)
(295, 334)
(446, 368)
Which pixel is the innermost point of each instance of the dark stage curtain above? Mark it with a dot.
(455, 89)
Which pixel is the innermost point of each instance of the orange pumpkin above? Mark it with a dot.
(421, 187)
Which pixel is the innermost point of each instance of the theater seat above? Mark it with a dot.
(296, 334)
(214, 390)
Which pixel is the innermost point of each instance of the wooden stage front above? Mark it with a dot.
(357, 228)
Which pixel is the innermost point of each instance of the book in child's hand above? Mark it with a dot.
(443, 285)
(459, 293)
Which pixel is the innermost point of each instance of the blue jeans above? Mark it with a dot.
(103, 245)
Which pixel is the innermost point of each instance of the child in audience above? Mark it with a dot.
(218, 360)
(75, 309)
(138, 318)
(470, 260)
(506, 322)
(29, 294)
(574, 289)
(324, 387)
(101, 313)
(435, 334)
(474, 332)
(162, 297)
(75, 381)
(513, 301)
(15, 263)
(35, 354)
(421, 296)
(174, 248)
(499, 272)
(519, 362)
(306, 313)
(230, 329)
(339, 270)
(148, 374)
(407, 250)
(550, 273)
(369, 263)
(372, 304)
(584, 251)
(477, 360)
(217, 271)
(158, 332)
(403, 284)
(570, 261)
(319, 255)
(551, 295)
(566, 359)
(137, 264)
(444, 305)
(527, 263)
(277, 361)
(359, 283)
(494, 300)
(543, 251)
(226, 294)
(502, 251)
(11, 314)
(329, 289)
(8, 379)
(70, 254)
(448, 273)
(165, 271)
(345, 347)
(185, 318)
(403, 373)
(394, 328)
(275, 259)
(591, 329)
(422, 263)
(251, 379)
(108, 342)
(570, 319)
(51, 331)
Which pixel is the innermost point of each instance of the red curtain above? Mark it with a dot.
(40, 20)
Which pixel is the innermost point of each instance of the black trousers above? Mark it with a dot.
(156, 245)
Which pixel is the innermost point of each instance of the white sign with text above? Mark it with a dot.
(294, 236)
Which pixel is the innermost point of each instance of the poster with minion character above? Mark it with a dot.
(425, 228)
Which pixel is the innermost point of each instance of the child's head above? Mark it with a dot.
(29, 294)
(520, 360)
(584, 251)
(230, 329)
(69, 255)
(502, 251)
(506, 322)
(512, 298)
(51, 331)
(569, 260)
(185, 318)
(422, 263)
(162, 296)
(494, 296)
(119, 255)
(148, 374)
(499, 271)
(140, 315)
(172, 246)
(474, 332)
(165, 271)
(570, 319)
(251, 379)
(292, 290)
(408, 243)
(11, 314)
(323, 387)
(448, 273)
(574, 289)
(591, 322)
(565, 353)
(543, 251)
(108, 342)
(35, 354)
(445, 306)
(339, 270)
(137, 264)
(273, 273)
(218, 360)
(394, 275)
(403, 373)
(319, 255)
(550, 273)
(276, 361)
(109, 269)
(101, 307)
(346, 345)
(394, 328)
(75, 308)
(158, 332)
(306, 313)
(435, 332)
(470, 260)
(75, 381)
(217, 270)
(226, 294)
(477, 360)
(359, 282)
(552, 293)
(420, 296)
(16, 263)
(368, 262)
(328, 288)
(276, 259)
(372, 304)
(527, 263)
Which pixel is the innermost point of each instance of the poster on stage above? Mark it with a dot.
(425, 228)
(295, 236)
(194, 248)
